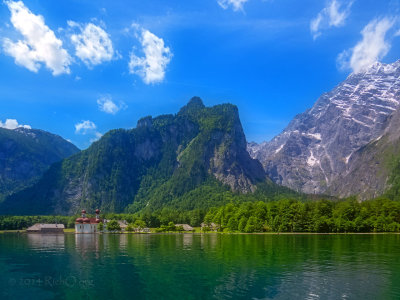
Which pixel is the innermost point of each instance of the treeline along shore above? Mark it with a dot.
(322, 216)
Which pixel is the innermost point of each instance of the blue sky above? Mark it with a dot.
(81, 68)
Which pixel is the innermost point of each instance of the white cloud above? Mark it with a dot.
(107, 105)
(13, 124)
(397, 33)
(97, 136)
(84, 127)
(88, 127)
(372, 48)
(235, 4)
(93, 45)
(315, 24)
(333, 15)
(39, 43)
(151, 67)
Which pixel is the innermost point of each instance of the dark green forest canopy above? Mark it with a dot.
(378, 215)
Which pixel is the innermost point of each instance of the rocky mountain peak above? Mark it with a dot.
(379, 68)
(315, 148)
(145, 122)
(195, 104)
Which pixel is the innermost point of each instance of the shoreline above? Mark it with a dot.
(205, 233)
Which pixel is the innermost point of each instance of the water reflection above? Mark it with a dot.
(197, 266)
(209, 241)
(337, 284)
(187, 240)
(54, 242)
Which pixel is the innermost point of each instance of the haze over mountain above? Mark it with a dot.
(25, 154)
(324, 149)
(154, 165)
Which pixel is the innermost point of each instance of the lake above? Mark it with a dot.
(195, 266)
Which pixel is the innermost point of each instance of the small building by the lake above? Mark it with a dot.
(46, 228)
(210, 226)
(87, 225)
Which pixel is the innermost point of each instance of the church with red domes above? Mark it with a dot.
(87, 225)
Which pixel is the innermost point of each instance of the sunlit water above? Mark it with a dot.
(194, 266)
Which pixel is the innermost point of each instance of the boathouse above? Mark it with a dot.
(46, 228)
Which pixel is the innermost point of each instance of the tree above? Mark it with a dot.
(205, 229)
(171, 226)
(130, 227)
(242, 224)
(113, 225)
(140, 224)
(233, 224)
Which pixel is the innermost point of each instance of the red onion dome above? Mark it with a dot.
(97, 211)
(86, 220)
(79, 220)
(83, 211)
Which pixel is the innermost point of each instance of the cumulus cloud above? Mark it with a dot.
(13, 124)
(85, 127)
(235, 4)
(372, 48)
(107, 105)
(92, 45)
(39, 44)
(151, 67)
(333, 15)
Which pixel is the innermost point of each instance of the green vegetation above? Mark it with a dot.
(285, 215)
(23, 222)
(379, 215)
(26, 155)
(113, 225)
(394, 180)
(130, 228)
(170, 161)
(170, 227)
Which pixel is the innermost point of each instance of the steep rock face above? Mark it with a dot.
(316, 148)
(221, 145)
(149, 166)
(370, 167)
(25, 154)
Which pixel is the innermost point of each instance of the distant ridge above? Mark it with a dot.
(25, 154)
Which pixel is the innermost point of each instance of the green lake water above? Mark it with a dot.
(194, 266)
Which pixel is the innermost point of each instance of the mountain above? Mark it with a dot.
(319, 150)
(374, 169)
(25, 154)
(164, 161)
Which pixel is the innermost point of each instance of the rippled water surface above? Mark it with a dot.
(194, 266)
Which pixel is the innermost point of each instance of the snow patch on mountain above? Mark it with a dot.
(315, 148)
